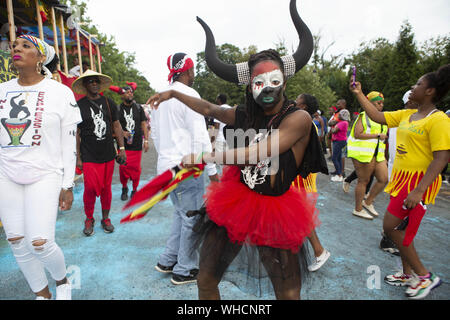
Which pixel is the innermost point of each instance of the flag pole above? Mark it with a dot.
(79, 52)
(39, 20)
(63, 44)
(12, 27)
(55, 36)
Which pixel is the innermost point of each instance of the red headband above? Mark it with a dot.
(180, 66)
(116, 89)
(133, 87)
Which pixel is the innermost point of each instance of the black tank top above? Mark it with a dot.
(257, 177)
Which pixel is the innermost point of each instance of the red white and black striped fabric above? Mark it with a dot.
(178, 63)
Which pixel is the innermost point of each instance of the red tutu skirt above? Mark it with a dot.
(275, 221)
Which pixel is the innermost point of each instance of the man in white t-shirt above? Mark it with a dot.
(177, 131)
(75, 70)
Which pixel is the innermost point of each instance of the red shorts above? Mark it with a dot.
(396, 208)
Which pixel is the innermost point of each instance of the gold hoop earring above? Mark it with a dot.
(39, 67)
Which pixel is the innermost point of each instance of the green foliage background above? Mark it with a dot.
(385, 66)
(119, 65)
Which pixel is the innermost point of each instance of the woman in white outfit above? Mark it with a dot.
(38, 121)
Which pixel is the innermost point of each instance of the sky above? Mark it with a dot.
(155, 29)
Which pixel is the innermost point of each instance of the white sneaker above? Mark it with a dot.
(346, 186)
(420, 288)
(370, 208)
(42, 298)
(320, 260)
(64, 292)
(399, 279)
(362, 214)
(337, 178)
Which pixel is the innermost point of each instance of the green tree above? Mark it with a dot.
(209, 85)
(435, 53)
(373, 64)
(119, 65)
(403, 70)
(308, 81)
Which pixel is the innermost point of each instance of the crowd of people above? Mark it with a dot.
(264, 202)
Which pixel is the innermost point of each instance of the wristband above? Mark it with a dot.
(122, 148)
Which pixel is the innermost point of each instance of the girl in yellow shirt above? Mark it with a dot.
(423, 149)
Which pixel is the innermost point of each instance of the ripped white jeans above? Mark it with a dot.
(29, 212)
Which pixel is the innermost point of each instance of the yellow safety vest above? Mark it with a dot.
(364, 150)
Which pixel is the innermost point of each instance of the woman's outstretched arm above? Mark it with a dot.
(205, 108)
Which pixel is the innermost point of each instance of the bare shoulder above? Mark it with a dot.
(297, 119)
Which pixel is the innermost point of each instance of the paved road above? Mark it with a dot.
(121, 265)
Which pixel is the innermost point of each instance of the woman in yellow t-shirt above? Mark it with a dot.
(423, 149)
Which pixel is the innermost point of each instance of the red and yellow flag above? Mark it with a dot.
(158, 189)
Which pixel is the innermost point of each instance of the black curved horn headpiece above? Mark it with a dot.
(240, 73)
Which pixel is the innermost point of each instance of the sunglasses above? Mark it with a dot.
(91, 81)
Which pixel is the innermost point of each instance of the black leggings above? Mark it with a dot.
(217, 252)
(353, 177)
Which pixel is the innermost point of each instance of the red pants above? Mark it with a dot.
(132, 169)
(97, 183)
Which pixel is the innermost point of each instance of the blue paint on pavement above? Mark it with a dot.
(121, 265)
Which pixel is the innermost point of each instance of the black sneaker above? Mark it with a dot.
(388, 245)
(89, 227)
(132, 193)
(191, 278)
(163, 269)
(124, 195)
(107, 226)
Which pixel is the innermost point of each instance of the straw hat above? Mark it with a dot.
(78, 87)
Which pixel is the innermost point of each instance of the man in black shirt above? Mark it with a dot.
(95, 146)
(134, 124)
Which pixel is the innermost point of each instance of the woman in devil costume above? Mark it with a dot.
(253, 205)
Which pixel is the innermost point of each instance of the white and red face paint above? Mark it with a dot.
(266, 74)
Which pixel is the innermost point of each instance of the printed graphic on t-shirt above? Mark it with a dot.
(130, 123)
(401, 150)
(21, 116)
(99, 123)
